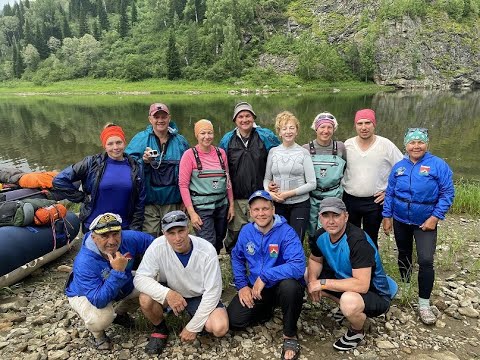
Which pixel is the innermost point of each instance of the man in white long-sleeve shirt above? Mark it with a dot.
(189, 278)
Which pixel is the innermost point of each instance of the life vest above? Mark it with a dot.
(208, 188)
(328, 171)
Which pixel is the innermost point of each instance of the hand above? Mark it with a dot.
(275, 196)
(245, 297)
(286, 194)
(176, 302)
(120, 261)
(273, 187)
(257, 289)
(146, 155)
(379, 197)
(186, 335)
(387, 225)
(429, 224)
(231, 213)
(196, 220)
(315, 290)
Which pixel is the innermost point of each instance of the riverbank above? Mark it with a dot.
(36, 321)
(162, 86)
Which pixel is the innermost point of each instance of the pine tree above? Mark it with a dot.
(102, 15)
(29, 39)
(123, 24)
(7, 10)
(96, 32)
(66, 31)
(134, 13)
(27, 4)
(18, 66)
(41, 42)
(82, 23)
(173, 58)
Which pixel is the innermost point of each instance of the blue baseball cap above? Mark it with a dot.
(259, 194)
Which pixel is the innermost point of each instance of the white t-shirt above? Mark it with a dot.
(201, 276)
(367, 171)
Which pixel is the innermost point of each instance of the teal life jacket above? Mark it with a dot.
(208, 188)
(329, 173)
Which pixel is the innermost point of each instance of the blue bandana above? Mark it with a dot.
(420, 134)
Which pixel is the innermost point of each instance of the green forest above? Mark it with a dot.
(45, 41)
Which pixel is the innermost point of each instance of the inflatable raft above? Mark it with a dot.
(24, 249)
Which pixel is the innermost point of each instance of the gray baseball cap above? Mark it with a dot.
(332, 204)
(174, 218)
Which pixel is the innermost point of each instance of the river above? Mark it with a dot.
(50, 132)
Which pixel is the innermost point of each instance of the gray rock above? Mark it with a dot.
(58, 355)
(385, 344)
(469, 312)
(3, 344)
(124, 354)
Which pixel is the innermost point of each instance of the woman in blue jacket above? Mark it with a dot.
(111, 182)
(419, 193)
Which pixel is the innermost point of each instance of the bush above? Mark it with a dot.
(135, 68)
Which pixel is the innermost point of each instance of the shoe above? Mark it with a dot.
(156, 343)
(348, 341)
(124, 320)
(102, 343)
(291, 344)
(427, 316)
(338, 317)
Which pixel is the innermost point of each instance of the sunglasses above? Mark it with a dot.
(107, 225)
(326, 116)
(174, 218)
(412, 130)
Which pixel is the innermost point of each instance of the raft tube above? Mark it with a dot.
(25, 249)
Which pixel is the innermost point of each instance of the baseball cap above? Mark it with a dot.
(259, 194)
(241, 106)
(174, 218)
(332, 204)
(154, 108)
(106, 222)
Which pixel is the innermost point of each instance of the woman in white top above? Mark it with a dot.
(289, 175)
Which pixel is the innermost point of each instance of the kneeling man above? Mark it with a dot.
(102, 274)
(345, 266)
(268, 266)
(189, 278)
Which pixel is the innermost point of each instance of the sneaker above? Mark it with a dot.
(156, 343)
(124, 320)
(102, 343)
(427, 316)
(348, 341)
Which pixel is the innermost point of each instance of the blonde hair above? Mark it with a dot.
(284, 118)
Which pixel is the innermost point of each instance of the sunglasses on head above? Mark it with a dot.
(412, 130)
(107, 225)
(174, 218)
(326, 116)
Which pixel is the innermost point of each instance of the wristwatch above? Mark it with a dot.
(322, 283)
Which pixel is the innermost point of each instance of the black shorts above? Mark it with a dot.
(375, 304)
(193, 303)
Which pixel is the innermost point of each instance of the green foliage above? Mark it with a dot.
(135, 68)
(279, 45)
(467, 198)
(396, 9)
(173, 59)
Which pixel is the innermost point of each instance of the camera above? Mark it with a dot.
(153, 153)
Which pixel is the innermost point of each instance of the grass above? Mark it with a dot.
(286, 83)
(467, 197)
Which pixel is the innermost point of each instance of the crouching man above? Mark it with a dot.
(189, 278)
(268, 266)
(102, 274)
(345, 266)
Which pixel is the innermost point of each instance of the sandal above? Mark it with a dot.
(427, 316)
(291, 344)
(102, 343)
(156, 344)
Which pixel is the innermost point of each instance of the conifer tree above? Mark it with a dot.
(82, 22)
(134, 13)
(41, 42)
(66, 30)
(173, 58)
(102, 15)
(18, 66)
(96, 32)
(28, 33)
(123, 24)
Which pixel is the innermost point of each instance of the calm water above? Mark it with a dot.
(46, 133)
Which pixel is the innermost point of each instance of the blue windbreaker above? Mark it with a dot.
(274, 256)
(417, 191)
(161, 184)
(93, 277)
(268, 138)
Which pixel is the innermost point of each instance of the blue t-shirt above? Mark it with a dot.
(114, 191)
(184, 257)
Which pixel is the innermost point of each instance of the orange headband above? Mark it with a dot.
(112, 131)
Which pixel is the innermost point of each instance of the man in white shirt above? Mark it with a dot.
(189, 278)
(369, 160)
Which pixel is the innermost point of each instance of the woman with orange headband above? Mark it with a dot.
(111, 182)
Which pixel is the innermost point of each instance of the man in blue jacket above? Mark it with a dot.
(273, 254)
(247, 148)
(160, 147)
(102, 274)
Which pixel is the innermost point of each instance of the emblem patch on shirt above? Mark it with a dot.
(400, 171)
(424, 170)
(105, 273)
(215, 184)
(323, 172)
(250, 248)
(273, 250)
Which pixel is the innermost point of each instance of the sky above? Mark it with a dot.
(3, 2)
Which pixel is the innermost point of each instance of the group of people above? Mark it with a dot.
(258, 196)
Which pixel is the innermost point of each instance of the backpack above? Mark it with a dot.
(16, 213)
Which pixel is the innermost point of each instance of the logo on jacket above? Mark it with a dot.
(250, 248)
(323, 172)
(215, 184)
(400, 171)
(424, 170)
(105, 273)
(273, 250)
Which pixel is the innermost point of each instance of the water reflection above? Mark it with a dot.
(52, 132)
